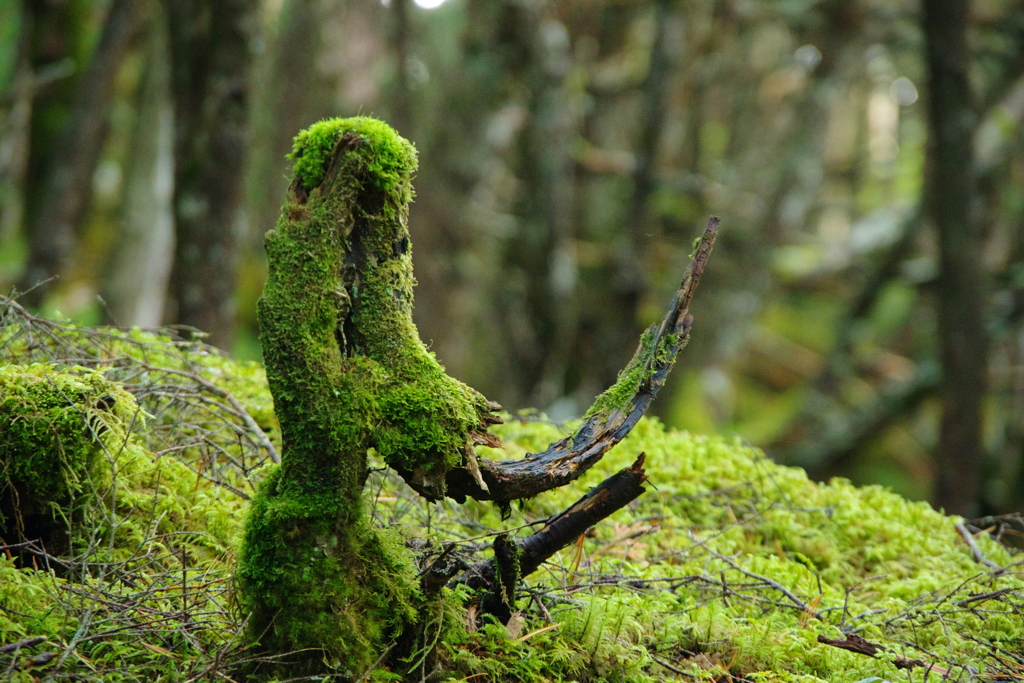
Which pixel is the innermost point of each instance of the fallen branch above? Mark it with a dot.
(797, 602)
(614, 493)
(28, 642)
(854, 643)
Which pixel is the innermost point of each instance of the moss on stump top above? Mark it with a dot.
(389, 159)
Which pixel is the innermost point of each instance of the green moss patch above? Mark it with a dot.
(58, 433)
(147, 480)
(133, 561)
(733, 564)
(390, 159)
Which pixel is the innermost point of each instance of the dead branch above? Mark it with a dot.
(979, 556)
(28, 642)
(568, 458)
(613, 494)
(854, 643)
(797, 602)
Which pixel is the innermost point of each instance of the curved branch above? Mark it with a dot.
(609, 420)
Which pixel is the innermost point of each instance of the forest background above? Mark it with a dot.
(864, 316)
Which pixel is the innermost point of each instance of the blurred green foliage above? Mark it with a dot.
(550, 230)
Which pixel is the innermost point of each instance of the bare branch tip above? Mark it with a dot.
(638, 465)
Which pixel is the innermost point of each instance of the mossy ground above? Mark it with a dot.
(149, 544)
(646, 586)
(665, 579)
(145, 590)
(729, 565)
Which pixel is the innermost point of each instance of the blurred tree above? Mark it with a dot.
(629, 83)
(21, 82)
(961, 294)
(291, 91)
(536, 301)
(59, 197)
(211, 59)
(571, 150)
(401, 108)
(135, 281)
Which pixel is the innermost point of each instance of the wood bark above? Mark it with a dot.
(611, 495)
(961, 296)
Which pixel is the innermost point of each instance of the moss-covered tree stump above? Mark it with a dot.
(348, 373)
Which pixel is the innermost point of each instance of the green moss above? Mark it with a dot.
(315, 577)
(135, 528)
(639, 370)
(58, 433)
(862, 558)
(391, 161)
(348, 372)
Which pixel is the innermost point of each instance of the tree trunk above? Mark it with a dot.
(14, 135)
(54, 37)
(136, 280)
(538, 291)
(347, 371)
(961, 296)
(210, 59)
(401, 38)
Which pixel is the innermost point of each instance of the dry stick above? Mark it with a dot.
(567, 459)
(28, 642)
(797, 602)
(984, 596)
(672, 668)
(854, 643)
(611, 495)
(979, 556)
